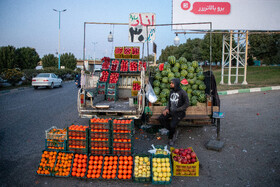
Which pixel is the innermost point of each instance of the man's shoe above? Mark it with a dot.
(175, 136)
(170, 142)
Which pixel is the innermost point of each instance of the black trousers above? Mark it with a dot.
(170, 125)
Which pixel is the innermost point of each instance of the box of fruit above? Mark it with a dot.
(133, 66)
(118, 52)
(127, 52)
(185, 162)
(161, 169)
(115, 65)
(142, 168)
(53, 144)
(135, 52)
(55, 133)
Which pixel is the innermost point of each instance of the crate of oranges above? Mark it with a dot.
(99, 123)
(47, 163)
(124, 125)
(55, 133)
(95, 164)
(79, 167)
(78, 138)
(110, 167)
(123, 142)
(125, 167)
(122, 151)
(63, 164)
(52, 144)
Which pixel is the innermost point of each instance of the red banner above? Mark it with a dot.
(212, 8)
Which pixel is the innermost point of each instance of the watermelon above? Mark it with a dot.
(161, 66)
(191, 81)
(202, 86)
(184, 66)
(158, 76)
(164, 73)
(156, 83)
(177, 64)
(195, 87)
(163, 99)
(189, 91)
(198, 82)
(163, 94)
(189, 96)
(175, 69)
(191, 69)
(182, 60)
(181, 78)
(167, 91)
(194, 64)
(166, 66)
(189, 64)
(171, 75)
(184, 73)
(171, 60)
(190, 75)
(193, 101)
(194, 97)
(201, 98)
(157, 90)
(198, 69)
(200, 76)
(170, 79)
(162, 85)
(177, 75)
(164, 80)
(184, 87)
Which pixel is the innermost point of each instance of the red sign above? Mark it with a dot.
(185, 5)
(213, 8)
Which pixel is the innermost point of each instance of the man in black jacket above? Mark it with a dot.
(176, 109)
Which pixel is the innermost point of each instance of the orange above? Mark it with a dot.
(130, 162)
(97, 175)
(115, 162)
(115, 166)
(125, 162)
(120, 176)
(104, 176)
(120, 162)
(74, 173)
(128, 176)
(105, 172)
(129, 172)
(89, 176)
(74, 169)
(78, 174)
(93, 171)
(93, 176)
(113, 176)
(125, 167)
(129, 167)
(82, 174)
(89, 171)
(120, 171)
(121, 158)
(124, 177)
(120, 166)
(114, 171)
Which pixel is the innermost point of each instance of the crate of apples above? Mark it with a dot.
(115, 65)
(104, 76)
(185, 162)
(142, 64)
(124, 66)
(161, 172)
(142, 168)
(94, 167)
(133, 65)
(106, 63)
(114, 77)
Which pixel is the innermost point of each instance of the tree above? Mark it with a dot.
(68, 60)
(265, 47)
(165, 53)
(26, 58)
(217, 45)
(7, 58)
(50, 61)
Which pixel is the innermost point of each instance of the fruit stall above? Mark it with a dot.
(104, 149)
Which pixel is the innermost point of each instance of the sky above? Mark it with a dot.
(33, 23)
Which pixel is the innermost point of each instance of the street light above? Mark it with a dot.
(176, 40)
(59, 11)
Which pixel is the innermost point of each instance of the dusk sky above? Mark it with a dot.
(33, 23)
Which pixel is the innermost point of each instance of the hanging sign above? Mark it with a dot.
(140, 27)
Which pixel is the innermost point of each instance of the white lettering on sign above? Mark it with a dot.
(138, 24)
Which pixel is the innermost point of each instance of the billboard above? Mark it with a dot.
(227, 14)
(138, 23)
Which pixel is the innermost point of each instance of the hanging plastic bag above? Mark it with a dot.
(150, 94)
(156, 151)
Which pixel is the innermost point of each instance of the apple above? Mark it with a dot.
(124, 66)
(193, 155)
(176, 151)
(193, 160)
(188, 156)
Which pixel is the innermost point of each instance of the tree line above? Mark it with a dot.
(263, 47)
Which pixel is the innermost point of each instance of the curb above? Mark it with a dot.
(248, 90)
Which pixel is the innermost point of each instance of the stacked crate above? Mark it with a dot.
(77, 138)
(56, 139)
(99, 136)
(112, 86)
(122, 137)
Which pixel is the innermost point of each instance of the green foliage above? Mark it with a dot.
(265, 47)
(26, 58)
(50, 61)
(7, 58)
(68, 60)
(13, 76)
(29, 74)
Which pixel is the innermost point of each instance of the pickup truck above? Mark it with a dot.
(91, 104)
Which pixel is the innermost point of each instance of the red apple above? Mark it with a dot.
(193, 155)
(176, 151)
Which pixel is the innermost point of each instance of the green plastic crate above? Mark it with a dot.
(53, 145)
(62, 167)
(171, 171)
(142, 179)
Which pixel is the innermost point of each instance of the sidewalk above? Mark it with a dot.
(248, 90)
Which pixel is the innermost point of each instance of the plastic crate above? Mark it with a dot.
(108, 164)
(52, 145)
(99, 126)
(103, 74)
(47, 162)
(142, 179)
(55, 133)
(144, 65)
(133, 66)
(118, 52)
(171, 172)
(62, 167)
(189, 170)
(124, 65)
(111, 97)
(122, 135)
(135, 53)
(106, 65)
(113, 86)
(114, 74)
(98, 133)
(116, 143)
(160, 147)
(93, 165)
(78, 141)
(112, 92)
(127, 51)
(125, 125)
(115, 65)
(126, 166)
(76, 164)
(102, 85)
(134, 93)
(122, 151)
(100, 151)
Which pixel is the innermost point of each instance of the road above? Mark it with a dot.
(250, 132)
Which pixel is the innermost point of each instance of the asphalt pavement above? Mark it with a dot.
(250, 132)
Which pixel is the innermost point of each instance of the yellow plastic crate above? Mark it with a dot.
(188, 170)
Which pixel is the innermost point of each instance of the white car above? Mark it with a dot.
(46, 79)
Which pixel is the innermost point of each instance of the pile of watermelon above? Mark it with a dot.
(183, 70)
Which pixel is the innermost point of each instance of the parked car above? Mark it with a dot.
(46, 79)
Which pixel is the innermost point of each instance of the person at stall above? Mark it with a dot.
(177, 105)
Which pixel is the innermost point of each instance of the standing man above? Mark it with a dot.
(176, 109)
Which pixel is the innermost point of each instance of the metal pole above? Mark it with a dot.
(230, 54)
(237, 57)
(59, 39)
(223, 61)
(246, 54)
(84, 50)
